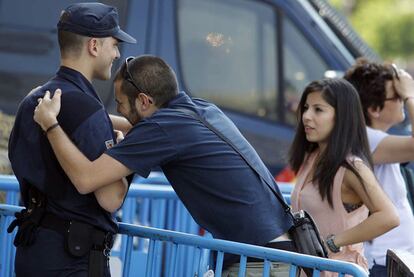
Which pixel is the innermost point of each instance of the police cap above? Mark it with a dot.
(93, 20)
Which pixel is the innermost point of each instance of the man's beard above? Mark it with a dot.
(134, 117)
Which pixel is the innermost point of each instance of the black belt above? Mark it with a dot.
(286, 245)
(100, 239)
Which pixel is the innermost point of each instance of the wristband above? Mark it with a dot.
(408, 98)
(331, 244)
(52, 127)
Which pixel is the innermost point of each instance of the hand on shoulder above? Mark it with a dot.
(47, 109)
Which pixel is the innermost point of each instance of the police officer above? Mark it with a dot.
(231, 198)
(64, 231)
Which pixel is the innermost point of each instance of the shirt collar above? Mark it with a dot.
(77, 79)
(181, 99)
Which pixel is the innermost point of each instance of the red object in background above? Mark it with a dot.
(286, 175)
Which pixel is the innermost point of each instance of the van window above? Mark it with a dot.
(302, 65)
(228, 55)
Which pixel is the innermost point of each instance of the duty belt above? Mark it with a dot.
(99, 237)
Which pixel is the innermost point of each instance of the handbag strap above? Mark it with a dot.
(230, 142)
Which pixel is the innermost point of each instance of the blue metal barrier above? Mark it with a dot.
(10, 186)
(6, 246)
(150, 202)
(153, 202)
(176, 240)
(140, 187)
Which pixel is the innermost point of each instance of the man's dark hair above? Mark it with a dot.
(70, 43)
(152, 76)
(348, 136)
(369, 79)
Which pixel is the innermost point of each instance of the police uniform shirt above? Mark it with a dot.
(223, 194)
(85, 121)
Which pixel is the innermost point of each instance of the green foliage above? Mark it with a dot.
(386, 25)
(397, 38)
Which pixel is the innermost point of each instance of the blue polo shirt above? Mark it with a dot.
(222, 193)
(84, 119)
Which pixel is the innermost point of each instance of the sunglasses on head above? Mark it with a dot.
(128, 76)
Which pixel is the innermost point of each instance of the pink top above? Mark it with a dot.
(329, 221)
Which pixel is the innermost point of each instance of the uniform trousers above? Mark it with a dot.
(48, 257)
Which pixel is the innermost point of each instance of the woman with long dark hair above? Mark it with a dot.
(335, 182)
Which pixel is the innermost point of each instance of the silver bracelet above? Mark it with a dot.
(331, 244)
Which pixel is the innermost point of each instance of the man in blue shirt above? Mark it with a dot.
(88, 35)
(222, 192)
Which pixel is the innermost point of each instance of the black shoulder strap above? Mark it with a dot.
(228, 141)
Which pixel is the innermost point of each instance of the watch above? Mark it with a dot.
(331, 244)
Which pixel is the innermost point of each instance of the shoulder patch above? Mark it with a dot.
(109, 143)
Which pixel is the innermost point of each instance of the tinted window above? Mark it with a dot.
(228, 55)
(302, 64)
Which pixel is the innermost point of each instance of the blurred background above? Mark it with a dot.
(386, 25)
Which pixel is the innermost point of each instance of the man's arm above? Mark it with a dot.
(111, 197)
(120, 123)
(87, 176)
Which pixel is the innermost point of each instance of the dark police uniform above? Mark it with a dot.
(62, 232)
(223, 194)
(84, 119)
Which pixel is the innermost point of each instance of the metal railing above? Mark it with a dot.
(149, 202)
(175, 240)
(139, 187)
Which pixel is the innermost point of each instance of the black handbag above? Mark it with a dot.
(306, 235)
(304, 231)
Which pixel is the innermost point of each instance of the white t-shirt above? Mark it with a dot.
(392, 182)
